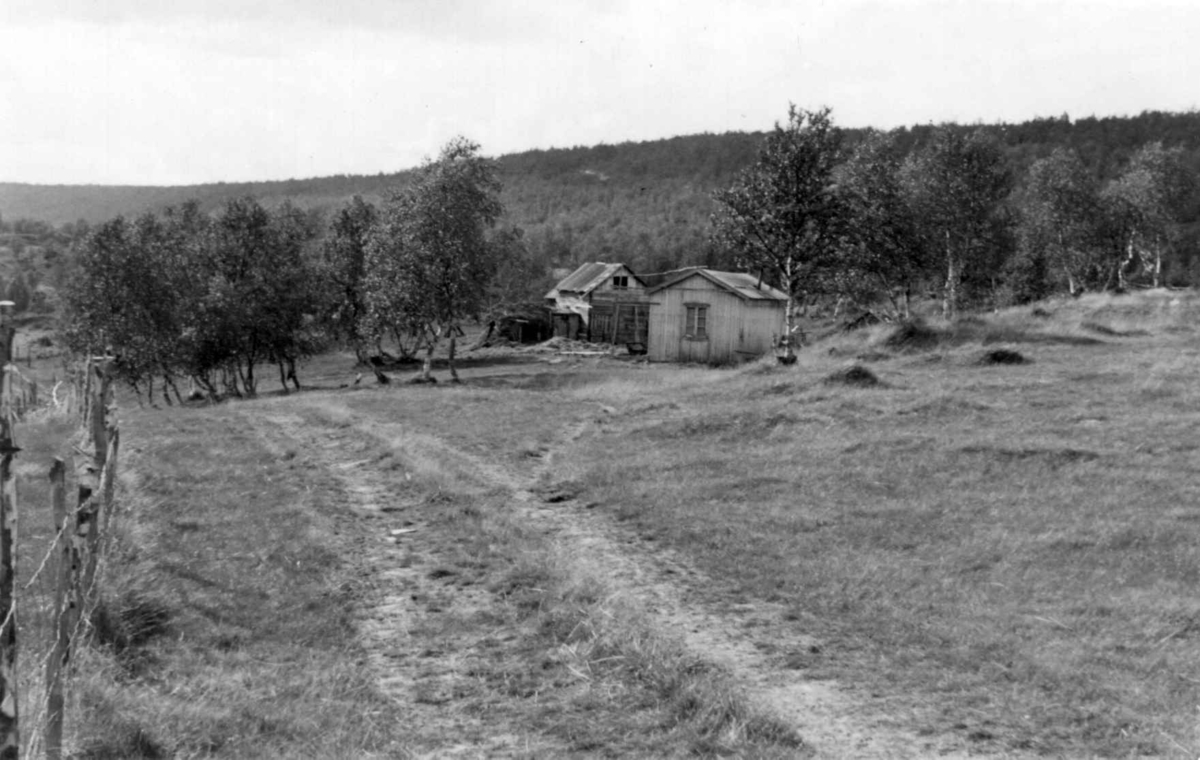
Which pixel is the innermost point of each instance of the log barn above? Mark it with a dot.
(703, 315)
(599, 302)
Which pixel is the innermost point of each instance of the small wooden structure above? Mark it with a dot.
(599, 302)
(704, 315)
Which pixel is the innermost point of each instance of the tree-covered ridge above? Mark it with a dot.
(679, 163)
(647, 204)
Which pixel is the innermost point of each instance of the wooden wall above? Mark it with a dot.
(737, 329)
(619, 321)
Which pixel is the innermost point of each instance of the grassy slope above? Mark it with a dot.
(1009, 552)
(235, 551)
(248, 553)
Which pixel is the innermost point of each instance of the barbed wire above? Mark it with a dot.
(80, 598)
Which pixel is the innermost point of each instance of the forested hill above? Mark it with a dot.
(645, 203)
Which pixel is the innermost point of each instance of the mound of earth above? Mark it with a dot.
(1002, 356)
(866, 319)
(913, 335)
(855, 375)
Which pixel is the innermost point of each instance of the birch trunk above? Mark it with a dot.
(450, 355)
(427, 367)
(950, 293)
(789, 314)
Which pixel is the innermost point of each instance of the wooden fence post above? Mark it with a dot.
(65, 612)
(108, 475)
(9, 728)
(93, 491)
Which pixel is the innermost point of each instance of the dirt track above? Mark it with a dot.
(396, 551)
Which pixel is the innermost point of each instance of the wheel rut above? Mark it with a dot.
(394, 554)
(741, 639)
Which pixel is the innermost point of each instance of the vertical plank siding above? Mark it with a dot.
(738, 329)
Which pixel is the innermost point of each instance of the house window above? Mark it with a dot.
(695, 321)
(621, 281)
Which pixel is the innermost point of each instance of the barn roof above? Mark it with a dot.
(588, 277)
(740, 284)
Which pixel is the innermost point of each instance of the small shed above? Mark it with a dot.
(704, 315)
(600, 302)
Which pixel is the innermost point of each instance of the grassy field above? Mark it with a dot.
(1007, 552)
(998, 558)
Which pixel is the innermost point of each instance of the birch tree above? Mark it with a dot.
(1143, 208)
(783, 215)
(956, 185)
(1060, 217)
(428, 260)
(344, 259)
(882, 246)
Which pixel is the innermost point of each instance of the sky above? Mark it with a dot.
(178, 92)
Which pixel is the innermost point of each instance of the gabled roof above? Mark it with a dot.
(740, 284)
(588, 277)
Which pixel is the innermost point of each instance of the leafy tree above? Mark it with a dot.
(261, 295)
(1144, 207)
(429, 259)
(882, 246)
(783, 215)
(956, 184)
(295, 295)
(184, 295)
(517, 279)
(1060, 217)
(122, 300)
(344, 258)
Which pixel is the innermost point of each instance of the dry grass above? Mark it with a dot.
(228, 620)
(232, 561)
(1009, 552)
(1006, 552)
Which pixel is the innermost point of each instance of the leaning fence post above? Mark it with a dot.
(65, 612)
(9, 733)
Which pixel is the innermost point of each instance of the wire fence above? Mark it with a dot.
(48, 613)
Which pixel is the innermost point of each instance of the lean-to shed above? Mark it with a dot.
(600, 302)
(703, 315)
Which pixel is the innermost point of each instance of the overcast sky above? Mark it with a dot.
(189, 91)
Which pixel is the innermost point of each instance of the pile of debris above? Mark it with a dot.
(558, 345)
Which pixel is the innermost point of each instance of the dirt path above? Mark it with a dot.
(395, 555)
(739, 638)
(742, 639)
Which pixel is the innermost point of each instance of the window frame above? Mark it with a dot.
(695, 320)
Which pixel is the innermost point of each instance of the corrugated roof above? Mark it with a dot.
(740, 284)
(587, 278)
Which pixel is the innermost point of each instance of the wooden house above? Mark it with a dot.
(702, 315)
(604, 303)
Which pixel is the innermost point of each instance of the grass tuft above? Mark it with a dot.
(856, 376)
(912, 335)
(1001, 356)
(127, 622)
